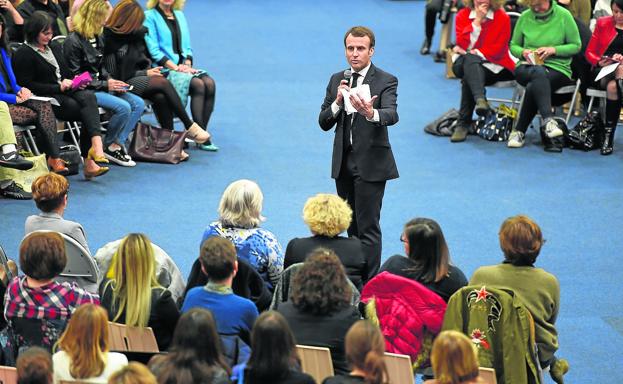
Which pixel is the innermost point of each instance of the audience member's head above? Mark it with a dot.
(273, 349)
(133, 373)
(365, 349)
(521, 240)
(619, 5)
(127, 16)
(34, 366)
(327, 215)
(320, 286)
(50, 191)
(241, 205)
(39, 22)
(90, 19)
(85, 340)
(134, 274)
(177, 4)
(42, 255)
(454, 358)
(493, 4)
(195, 351)
(218, 258)
(425, 245)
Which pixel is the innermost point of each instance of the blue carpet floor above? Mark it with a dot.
(271, 61)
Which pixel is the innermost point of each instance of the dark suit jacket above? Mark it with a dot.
(371, 149)
(348, 249)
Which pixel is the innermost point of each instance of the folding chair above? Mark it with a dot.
(8, 375)
(573, 89)
(316, 362)
(399, 368)
(29, 140)
(131, 339)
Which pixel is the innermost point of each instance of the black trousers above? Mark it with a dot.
(540, 82)
(365, 199)
(80, 106)
(474, 77)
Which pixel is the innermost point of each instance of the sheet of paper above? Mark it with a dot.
(605, 71)
(52, 100)
(363, 91)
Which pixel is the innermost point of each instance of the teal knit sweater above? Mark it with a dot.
(557, 30)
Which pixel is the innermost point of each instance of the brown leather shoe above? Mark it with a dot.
(57, 165)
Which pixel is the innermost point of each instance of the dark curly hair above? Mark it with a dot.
(320, 286)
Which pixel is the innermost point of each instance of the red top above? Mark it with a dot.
(495, 34)
(603, 35)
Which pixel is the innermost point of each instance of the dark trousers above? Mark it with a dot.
(80, 106)
(474, 77)
(433, 7)
(365, 199)
(540, 82)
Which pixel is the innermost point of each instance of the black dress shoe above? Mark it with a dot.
(14, 160)
(425, 50)
(15, 191)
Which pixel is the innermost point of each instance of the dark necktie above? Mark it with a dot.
(349, 118)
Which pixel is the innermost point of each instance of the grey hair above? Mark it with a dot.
(241, 205)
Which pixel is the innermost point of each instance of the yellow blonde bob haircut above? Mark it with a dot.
(90, 19)
(177, 4)
(454, 358)
(134, 275)
(327, 214)
(495, 4)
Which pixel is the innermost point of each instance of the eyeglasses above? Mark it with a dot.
(402, 239)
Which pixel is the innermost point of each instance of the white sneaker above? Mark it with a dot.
(552, 129)
(516, 140)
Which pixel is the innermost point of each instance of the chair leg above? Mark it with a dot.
(34, 144)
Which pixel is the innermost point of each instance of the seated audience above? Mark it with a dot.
(606, 48)
(126, 58)
(539, 291)
(319, 311)
(273, 358)
(83, 50)
(365, 351)
(132, 295)
(481, 57)
(168, 42)
(454, 359)
(133, 373)
(10, 158)
(51, 192)
(51, 7)
(545, 38)
(240, 212)
(427, 260)
(37, 307)
(41, 67)
(34, 366)
(26, 111)
(195, 354)
(234, 315)
(84, 353)
(14, 21)
(327, 216)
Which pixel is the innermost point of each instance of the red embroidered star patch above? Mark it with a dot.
(482, 294)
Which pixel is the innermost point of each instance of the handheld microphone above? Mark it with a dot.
(347, 75)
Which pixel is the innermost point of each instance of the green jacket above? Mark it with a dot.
(558, 30)
(499, 325)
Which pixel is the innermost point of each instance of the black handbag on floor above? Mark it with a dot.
(497, 125)
(71, 157)
(587, 133)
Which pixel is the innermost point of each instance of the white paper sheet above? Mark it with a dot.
(605, 71)
(52, 100)
(363, 91)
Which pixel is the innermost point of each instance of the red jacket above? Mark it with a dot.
(602, 37)
(493, 39)
(407, 312)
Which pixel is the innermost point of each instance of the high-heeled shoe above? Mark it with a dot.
(98, 159)
(58, 166)
(196, 133)
(91, 174)
(608, 145)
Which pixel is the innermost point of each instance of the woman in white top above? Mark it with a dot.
(84, 352)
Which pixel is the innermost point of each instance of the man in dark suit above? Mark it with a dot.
(362, 157)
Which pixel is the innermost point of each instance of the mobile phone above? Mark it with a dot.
(128, 88)
(165, 72)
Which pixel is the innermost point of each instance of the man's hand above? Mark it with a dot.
(363, 107)
(339, 100)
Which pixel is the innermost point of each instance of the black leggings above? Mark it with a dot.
(202, 97)
(540, 83)
(80, 106)
(167, 103)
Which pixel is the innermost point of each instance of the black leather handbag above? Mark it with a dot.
(587, 133)
(71, 157)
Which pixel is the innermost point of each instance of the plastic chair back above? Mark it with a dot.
(399, 368)
(316, 362)
(131, 339)
(8, 375)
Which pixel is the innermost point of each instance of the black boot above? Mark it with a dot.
(607, 146)
(613, 108)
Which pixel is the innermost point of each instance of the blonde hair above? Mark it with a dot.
(49, 191)
(126, 17)
(241, 205)
(454, 358)
(177, 4)
(365, 350)
(495, 4)
(85, 341)
(133, 373)
(90, 18)
(327, 214)
(134, 268)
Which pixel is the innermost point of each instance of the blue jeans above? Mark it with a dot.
(126, 108)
